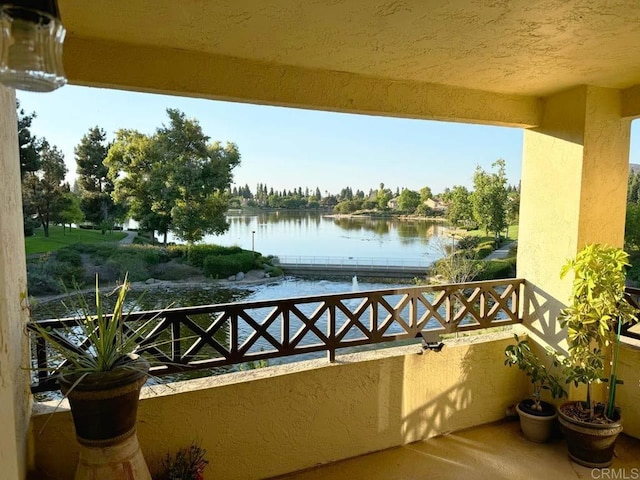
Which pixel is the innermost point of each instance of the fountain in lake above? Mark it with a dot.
(354, 284)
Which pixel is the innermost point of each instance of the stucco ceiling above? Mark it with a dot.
(523, 47)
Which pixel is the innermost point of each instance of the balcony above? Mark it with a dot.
(298, 415)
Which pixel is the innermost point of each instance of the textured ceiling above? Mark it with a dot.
(524, 47)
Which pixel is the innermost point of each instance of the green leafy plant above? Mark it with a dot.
(187, 464)
(594, 318)
(521, 355)
(97, 342)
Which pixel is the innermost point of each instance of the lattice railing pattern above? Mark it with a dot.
(205, 337)
(633, 297)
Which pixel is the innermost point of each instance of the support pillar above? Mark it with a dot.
(15, 398)
(574, 190)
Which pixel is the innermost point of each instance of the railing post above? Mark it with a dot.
(331, 333)
(41, 356)
(176, 352)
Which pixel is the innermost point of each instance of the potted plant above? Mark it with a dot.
(536, 416)
(593, 319)
(101, 375)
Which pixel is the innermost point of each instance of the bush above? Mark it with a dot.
(221, 266)
(495, 269)
(469, 242)
(70, 256)
(274, 271)
(484, 249)
(218, 266)
(196, 254)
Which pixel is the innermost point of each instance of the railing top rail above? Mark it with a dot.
(219, 307)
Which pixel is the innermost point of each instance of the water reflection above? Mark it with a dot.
(285, 233)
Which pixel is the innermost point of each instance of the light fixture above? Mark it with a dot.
(31, 45)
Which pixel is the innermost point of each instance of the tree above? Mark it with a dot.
(460, 210)
(70, 210)
(139, 178)
(44, 190)
(489, 198)
(383, 197)
(633, 190)
(425, 194)
(28, 144)
(408, 200)
(175, 179)
(93, 180)
(632, 226)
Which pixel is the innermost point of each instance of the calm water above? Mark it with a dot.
(287, 234)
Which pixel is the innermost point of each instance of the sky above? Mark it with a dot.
(290, 148)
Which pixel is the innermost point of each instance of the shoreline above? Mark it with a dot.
(155, 284)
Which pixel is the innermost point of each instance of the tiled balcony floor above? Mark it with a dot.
(493, 451)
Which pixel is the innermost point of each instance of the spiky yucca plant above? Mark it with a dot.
(97, 342)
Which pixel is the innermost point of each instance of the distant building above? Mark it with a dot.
(435, 204)
(393, 203)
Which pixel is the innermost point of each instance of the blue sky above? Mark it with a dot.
(286, 147)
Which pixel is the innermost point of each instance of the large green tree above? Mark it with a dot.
(44, 190)
(460, 210)
(94, 183)
(175, 179)
(408, 200)
(489, 198)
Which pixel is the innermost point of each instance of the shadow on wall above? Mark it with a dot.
(541, 311)
(468, 387)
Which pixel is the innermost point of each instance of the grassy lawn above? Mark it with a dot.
(513, 234)
(38, 243)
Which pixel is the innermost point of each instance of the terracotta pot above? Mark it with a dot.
(104, 407)
(589, 444)
(536, 426)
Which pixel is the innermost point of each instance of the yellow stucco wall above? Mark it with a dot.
(270, 421)
(574, 184)
(14, 387)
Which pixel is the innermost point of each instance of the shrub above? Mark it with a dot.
(495, 269)
(70, 256)
(275, 271)
(466, 243)
(217, 266)
(196, 254)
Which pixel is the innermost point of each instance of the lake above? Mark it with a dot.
(290, 234)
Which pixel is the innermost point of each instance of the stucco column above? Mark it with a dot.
(15, 400)
(574, 190)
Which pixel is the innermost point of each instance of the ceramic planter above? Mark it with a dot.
(104, 407)
(536, 426)
(589, 444)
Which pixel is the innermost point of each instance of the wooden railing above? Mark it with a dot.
(204, 337)
(633, 297)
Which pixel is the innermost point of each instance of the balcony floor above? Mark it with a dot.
(493, 451)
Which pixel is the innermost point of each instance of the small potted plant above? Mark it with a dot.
(187, 464)
(536, 416)
(593, 319)
(101, 375)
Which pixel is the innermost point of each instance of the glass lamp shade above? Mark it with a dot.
(31, 49)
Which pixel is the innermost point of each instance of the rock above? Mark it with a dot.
(240, 276)
(259, 274)
(266, 275)
(149, 281)
(232, 278)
